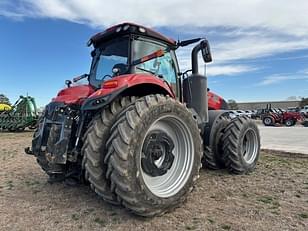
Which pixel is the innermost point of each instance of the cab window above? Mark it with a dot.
(161, 66)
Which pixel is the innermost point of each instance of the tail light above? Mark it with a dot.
(110, 84)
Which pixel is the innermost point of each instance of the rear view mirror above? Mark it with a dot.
(206, 52)
(68, 83)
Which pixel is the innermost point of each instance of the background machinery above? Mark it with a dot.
(272, 116)
(5, 107)
(23, 114)
(304, 111)
(138, 130)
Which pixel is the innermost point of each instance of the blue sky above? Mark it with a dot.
(260, 49)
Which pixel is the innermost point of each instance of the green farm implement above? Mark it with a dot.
(22, 115)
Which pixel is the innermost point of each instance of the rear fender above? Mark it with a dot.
(126, 85)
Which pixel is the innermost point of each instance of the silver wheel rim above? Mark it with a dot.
(250, 146)
(267, 121)
(176, 177)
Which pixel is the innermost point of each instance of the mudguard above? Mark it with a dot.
(120, 85)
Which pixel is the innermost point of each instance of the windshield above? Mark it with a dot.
(109, 55)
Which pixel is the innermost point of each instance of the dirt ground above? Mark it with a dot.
(274, 197)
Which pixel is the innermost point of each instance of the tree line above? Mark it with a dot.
(4, 99)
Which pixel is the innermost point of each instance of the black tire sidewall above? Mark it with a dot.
(217, 142)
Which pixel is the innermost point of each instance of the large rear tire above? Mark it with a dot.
(213, 153)
(241, 145)
(154, 155)
(94, 148)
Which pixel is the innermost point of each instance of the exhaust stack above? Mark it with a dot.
(195, 86)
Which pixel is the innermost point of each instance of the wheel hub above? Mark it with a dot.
(268, 121)
(249, 146)
(157, 156)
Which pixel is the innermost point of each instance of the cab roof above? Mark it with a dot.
(128, 28)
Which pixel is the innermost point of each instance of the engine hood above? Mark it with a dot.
(74, 95)
(216, 102)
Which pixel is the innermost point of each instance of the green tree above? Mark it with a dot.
(4, 99)
(303, 102)
(232, 104)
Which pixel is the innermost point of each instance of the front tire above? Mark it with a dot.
(94, 148)
(268, 121)
(241, 145)
(154, 155)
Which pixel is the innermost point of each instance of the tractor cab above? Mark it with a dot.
(131, 58)
(132, 49)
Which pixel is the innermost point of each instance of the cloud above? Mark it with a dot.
(228, 70)
(256, 47)
(278, 78)
(240, 30)
(212, 69)
(281, 15)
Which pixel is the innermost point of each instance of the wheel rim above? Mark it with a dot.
(176, 176)
(250, 146)
(267, 121)
(289, 123)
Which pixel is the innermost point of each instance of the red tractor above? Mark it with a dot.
(138, 130)
(274, 116)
